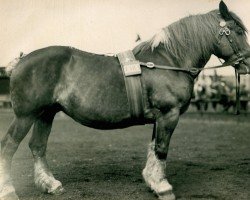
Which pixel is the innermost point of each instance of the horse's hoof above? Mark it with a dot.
(165, 191)
(164, 188)
(58, 191)
(8, 192)
(9, 196)
(169, 196)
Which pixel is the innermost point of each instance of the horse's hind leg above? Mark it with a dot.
(17, 131)
(43, 177)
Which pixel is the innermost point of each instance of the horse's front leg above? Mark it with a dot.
(154, 172)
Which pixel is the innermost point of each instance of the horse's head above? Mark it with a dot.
(232, 41)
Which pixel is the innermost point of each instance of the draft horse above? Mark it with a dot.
(90, 88)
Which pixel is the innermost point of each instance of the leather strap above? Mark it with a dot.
(132, 77)
(237, 79)
(195, 71)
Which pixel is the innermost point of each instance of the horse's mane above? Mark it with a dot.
(186, 36)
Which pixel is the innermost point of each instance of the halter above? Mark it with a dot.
(224, 30)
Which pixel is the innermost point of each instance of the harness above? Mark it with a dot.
(133, 83)
(131, 70)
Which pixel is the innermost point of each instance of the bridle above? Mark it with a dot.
(235, 60)
(224, 30)
(238, 55)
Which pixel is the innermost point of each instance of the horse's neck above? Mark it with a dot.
(160, 56)
(189, 61)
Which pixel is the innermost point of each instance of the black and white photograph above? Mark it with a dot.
(124, 100)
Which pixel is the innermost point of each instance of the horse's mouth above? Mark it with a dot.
(242, 63)
(243, 68)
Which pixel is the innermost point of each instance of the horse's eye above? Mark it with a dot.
(239, 31)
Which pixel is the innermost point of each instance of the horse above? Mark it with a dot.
(90, 88)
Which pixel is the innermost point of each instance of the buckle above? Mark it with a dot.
(224, 30)
(194, 71)
(150, 65)
(238, 60)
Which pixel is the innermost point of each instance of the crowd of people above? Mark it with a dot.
(219, 94)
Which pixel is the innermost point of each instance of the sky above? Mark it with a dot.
(99, 26)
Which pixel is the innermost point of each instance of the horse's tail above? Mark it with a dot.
(12, 65)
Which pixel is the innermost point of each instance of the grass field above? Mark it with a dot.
(209, 158)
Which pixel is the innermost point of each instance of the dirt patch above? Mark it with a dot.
(209, 158)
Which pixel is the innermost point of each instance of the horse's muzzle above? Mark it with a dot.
(243, 68)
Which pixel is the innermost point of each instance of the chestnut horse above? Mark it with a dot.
(90, 88)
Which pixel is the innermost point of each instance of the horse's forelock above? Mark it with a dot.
(238, 21)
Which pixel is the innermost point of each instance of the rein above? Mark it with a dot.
(195, 71)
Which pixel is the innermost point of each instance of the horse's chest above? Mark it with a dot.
(180, 95)
(171, 94)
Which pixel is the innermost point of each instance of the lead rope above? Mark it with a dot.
(237, 92)
(237, 79)
(237, 76)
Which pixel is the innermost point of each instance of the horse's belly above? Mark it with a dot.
(96, 117)
(96, 106)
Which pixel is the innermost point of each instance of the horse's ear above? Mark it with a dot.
(224, 11)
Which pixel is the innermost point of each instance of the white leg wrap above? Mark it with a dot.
(45, 180)
(154, 175)
(3, 175)
(7, 191)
